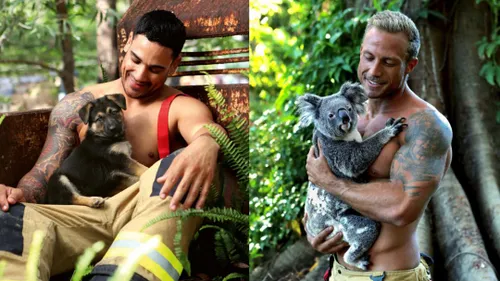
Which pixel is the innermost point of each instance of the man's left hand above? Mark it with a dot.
(319, 172)
(196, 166)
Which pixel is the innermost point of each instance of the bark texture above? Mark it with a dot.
(472, 115)
(295, 258)
(107, 47)
(458, 236)
(67, 74)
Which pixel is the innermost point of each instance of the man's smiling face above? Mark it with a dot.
(145, 67)
(383, 63)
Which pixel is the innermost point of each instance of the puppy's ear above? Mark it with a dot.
(84, 112)
(308, 108)
(355, 93)
(118, 99)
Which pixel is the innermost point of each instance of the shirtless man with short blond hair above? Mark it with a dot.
(408, 170)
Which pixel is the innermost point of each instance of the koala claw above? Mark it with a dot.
(397, 125)
(389, 122)
(363, 264)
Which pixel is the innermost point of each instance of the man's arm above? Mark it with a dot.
(196, 164)
(61, 139)
(416, 171)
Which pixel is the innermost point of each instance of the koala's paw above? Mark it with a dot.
(363, 264)
(396, 126)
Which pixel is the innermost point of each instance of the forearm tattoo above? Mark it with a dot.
(421, 161)
(62, 137)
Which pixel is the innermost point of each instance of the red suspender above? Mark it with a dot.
(163, 138)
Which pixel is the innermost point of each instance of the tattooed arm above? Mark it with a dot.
(62, 137)
(417, 169)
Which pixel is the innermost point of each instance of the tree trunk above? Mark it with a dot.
(426, 79)
(295, 258)
(472, 114)
(107, 48)
(458, 235)
(68, 71)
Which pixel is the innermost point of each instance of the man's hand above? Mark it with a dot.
(196, 166)
(323, 245)
(319, 172)
(10, 196)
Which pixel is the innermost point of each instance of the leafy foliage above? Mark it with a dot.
(489, 46)
(31, 27)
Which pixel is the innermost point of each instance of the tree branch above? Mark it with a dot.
(37, 63)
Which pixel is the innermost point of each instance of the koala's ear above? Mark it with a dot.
(118, 99)
(84, 112)
(355, 93)
(308, 108)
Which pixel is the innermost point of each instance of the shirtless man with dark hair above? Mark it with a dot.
(408, 170)
(152, 54)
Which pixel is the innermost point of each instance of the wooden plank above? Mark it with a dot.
(22, 135)
(202, 18)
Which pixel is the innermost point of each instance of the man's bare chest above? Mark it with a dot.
(141, 132)
(381, 167)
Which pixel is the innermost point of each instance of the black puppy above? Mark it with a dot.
(101, 163)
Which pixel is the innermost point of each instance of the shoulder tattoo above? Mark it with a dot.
(421, 161)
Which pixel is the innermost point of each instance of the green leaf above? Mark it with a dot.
(490, 77)
(1, 118)
(234, 275)
(490, 49)
(480, 50)
(437, 15)
(497, 76)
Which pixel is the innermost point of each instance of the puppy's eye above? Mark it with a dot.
(114, 111)
(350, 109)
(330, 115)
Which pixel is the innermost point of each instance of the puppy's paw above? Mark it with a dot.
(97, 202)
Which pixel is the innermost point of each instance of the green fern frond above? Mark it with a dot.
(214, 214)
(231, 152)
(235, 275)
(3, 264)
(1, 118)
(183, 259)
(83, 264)
(105, 77)
(221, 250)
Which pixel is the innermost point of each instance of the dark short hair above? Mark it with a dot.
(164, 28)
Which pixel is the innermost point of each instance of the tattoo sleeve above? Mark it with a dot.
(62, 137)
(421, 162)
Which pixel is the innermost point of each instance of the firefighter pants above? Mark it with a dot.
(70, 229)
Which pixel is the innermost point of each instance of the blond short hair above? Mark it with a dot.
(395, 22)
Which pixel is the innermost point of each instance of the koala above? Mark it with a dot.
(335, 120)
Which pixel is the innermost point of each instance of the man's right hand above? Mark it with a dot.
(323, 245)
(10, 196)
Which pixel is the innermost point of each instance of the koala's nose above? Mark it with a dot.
(344, 116)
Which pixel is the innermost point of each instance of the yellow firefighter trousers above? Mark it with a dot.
(70, 229)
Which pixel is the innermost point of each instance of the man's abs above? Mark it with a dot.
(396, 248)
